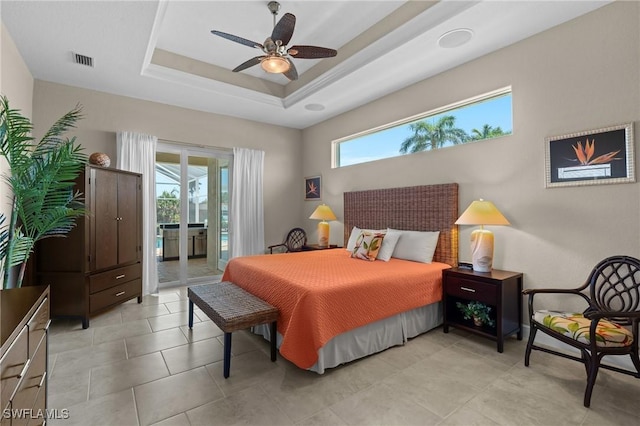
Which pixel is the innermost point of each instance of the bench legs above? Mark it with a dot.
(274, 340)
(227, 354)
(227, 343)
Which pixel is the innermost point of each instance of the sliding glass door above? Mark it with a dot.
(192, 190)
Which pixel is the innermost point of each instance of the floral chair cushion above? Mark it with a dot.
(576, 326)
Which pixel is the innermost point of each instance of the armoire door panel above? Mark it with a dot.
(105, 217)
(128, 195)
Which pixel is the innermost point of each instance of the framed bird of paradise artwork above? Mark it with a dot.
(591, 158)
(312, 188)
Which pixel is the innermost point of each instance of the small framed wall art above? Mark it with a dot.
(312, 188)
(591, 157)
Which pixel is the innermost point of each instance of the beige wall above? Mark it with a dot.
(106, 114)
(16, 83)
(579, 76)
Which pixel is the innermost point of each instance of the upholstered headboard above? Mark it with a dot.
(417, 208)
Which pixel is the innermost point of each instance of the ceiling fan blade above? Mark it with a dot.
(237, 39)
(251, 62)
(284, 29)
(311, 52)
(292, 73)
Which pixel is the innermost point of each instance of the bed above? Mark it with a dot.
(334, 308)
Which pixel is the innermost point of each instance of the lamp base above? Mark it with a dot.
(323, 234)
(482, 250)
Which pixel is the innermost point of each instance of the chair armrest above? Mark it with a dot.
(531, 292)
(592, 315)
(274, 246)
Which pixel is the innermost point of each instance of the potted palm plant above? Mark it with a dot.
(41, 177)
(477, 311)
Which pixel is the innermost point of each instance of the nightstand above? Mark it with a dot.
(310, 247)
(502, 290)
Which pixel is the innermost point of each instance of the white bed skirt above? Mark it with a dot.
(371, 338)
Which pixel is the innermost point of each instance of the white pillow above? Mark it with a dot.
(351, 244)
(416, 246)
(389, 244)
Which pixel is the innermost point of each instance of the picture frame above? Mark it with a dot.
(593, 157)
(313, 188)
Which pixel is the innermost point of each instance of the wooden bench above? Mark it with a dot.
(232, 308)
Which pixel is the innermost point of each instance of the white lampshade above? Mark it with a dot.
(482, 213)
(323, 213)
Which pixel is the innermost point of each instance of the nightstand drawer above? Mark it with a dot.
(472, 290)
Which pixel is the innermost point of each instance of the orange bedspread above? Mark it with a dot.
(323, 293)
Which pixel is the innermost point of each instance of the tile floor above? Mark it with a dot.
(141, 365)
(168, 270)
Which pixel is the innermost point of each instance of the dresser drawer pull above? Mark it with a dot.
(120, 294)
(24, 369)
(46, 327)
(470, 290)
(120, 276)
(44, 375)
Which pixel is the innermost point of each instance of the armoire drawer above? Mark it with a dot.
(114, 295)
(12, 365)
(108, 279)
(32, 383)
(38, 325)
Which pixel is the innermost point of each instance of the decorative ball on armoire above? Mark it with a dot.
(100, 159)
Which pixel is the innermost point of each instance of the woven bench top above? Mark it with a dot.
(230, 307)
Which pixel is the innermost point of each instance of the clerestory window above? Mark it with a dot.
(482, 117)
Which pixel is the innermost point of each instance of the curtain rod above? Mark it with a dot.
(195, 145)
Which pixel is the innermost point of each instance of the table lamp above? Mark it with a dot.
(482, 213)
(323, 213)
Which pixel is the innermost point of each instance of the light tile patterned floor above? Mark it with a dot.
(139, 364)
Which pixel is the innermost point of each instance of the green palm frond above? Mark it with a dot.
(63, 125)
(429, 136)
(42, 177)
(15, 136)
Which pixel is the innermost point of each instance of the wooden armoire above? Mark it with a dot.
(99, 263)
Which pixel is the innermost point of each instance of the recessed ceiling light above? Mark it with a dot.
(455, 38)
(314, 107)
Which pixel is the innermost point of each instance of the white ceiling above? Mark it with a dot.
(163, 51)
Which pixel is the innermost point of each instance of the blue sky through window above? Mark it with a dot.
(495, 111)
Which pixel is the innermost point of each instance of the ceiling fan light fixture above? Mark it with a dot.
(275, 64)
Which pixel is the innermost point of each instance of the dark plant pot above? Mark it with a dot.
(477, 321)
(12, 278)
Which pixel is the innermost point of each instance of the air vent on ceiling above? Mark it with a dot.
(83, 60)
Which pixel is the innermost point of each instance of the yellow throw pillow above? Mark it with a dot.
(368, 245)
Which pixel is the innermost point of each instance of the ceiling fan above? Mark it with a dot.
(277, 56)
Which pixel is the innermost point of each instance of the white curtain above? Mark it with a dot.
(137, 153)
(247, 213)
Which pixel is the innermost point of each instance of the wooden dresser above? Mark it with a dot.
(99, 263)
(24, 327)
